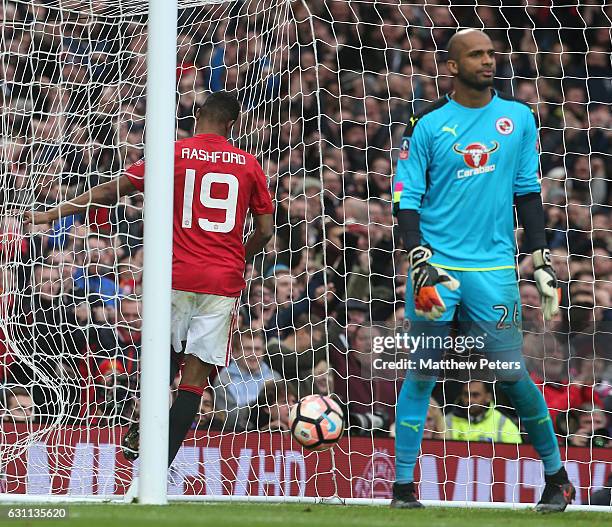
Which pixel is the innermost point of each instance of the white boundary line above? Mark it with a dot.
(118, 500)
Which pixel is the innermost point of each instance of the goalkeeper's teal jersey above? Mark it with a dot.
(461, 168)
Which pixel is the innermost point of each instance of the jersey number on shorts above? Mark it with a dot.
(516, 319)
(228, 204)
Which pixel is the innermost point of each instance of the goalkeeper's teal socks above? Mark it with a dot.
(531, 408)
(411, 412)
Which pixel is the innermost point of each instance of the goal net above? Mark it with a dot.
(327, 88)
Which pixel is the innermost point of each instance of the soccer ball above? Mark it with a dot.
(316, 422)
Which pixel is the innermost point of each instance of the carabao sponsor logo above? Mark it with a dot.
(475, 156)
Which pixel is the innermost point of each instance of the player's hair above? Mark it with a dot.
(220, 107)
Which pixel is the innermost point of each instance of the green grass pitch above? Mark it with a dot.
(290, 515)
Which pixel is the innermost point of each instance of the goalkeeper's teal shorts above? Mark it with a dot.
(487, 304)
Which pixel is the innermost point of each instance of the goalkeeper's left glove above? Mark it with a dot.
(546, 282)
(427, 301)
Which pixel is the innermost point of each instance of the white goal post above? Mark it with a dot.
(89, 87)
(157, 263)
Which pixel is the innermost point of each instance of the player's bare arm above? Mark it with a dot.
(264, 228)
(105, 194)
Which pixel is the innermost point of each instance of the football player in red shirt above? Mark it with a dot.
(215, 185)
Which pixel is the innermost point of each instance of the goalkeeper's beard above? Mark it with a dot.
(474, 83)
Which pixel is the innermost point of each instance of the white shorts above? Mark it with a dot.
(206, 323)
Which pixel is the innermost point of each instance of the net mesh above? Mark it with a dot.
(327, 88)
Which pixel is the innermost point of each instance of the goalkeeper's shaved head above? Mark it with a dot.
(471, 60)
(461, 40)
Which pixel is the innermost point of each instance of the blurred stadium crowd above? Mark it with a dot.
(324, 115)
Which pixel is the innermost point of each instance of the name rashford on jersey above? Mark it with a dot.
(215, 185)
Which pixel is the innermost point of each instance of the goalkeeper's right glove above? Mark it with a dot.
(546, 282)
(427, 301)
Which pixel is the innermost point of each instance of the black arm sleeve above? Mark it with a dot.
(409, 228)
(531, 216)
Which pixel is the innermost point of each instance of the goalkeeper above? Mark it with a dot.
(463, 162)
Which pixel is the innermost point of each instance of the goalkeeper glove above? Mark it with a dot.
(546, 282)
(427, 301)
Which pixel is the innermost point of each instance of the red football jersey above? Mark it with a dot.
(215, 184)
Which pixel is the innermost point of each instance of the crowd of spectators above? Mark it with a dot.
(326, 96)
